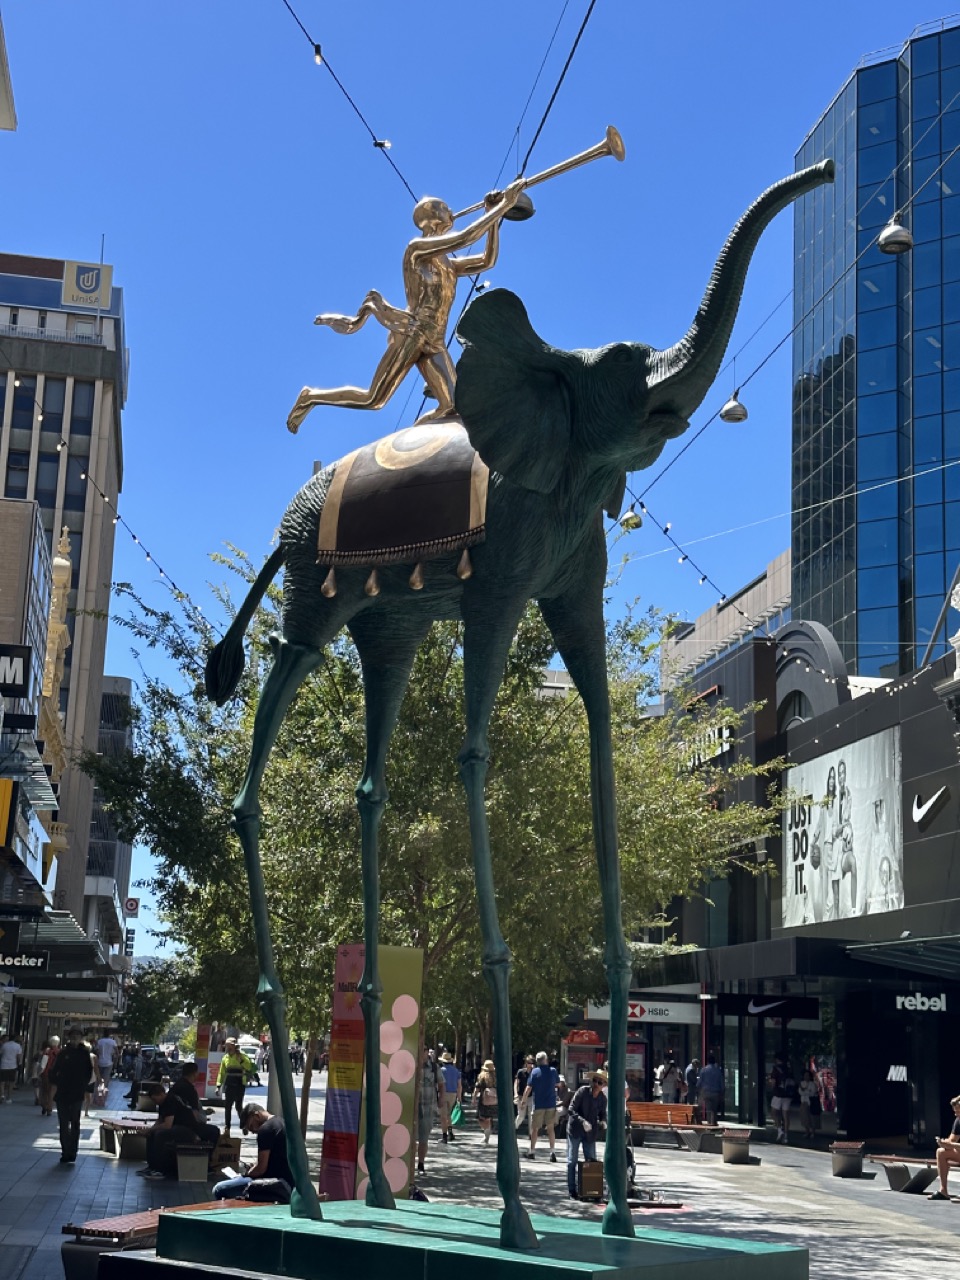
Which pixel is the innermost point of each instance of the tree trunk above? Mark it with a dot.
(312, 1041)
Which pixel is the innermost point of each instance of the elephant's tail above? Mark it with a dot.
(226, 661)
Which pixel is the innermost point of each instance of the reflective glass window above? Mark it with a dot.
(951, 390)
(875, 205)
(951, 303)
(877, 286)
(928, 575)
(948, 178)
(877, 413)
(951, 347)
(874, 83)
(877, 371)
(75, 493)
(81, 414)
(877, 502)
(951, 435)
(951, 484)
(926, 610)
(873, 662)
(877, 457)
(18, 467)
(878, 588)
(952, 528)
(949, 209)
(927, 440)
(927, 395)
(950, 49)
(926, 265)
(877, 123)
(868, 251)
(926, 137)
(927, 529)
(926, 309)
(24, 403)
(925, 55)
(877, 543)
(925, 96)
(924, 179)
(54, 390)
(48, 469)
(951, 258)
(878, 628)
(879, 328)
(950, 128)
(925, 222)
(950, 89)
(927, 351)
(876, 163)
(928, 485)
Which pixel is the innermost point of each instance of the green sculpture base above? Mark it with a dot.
(354, 1242)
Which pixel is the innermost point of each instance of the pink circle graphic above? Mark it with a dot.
(405, 1011)
(362, 1158)
(396, 1140)
(362, 1189)
(391, 1107)
(384, 1077)
(391, 1037)
(402, 1066)
(396, 1174)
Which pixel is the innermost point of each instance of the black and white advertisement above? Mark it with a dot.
(842, 834)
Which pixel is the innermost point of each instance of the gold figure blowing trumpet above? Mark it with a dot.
(418, 334)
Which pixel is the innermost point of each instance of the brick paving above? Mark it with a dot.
(853, 1228)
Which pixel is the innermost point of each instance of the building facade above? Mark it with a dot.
(63, 371)
(876, 359)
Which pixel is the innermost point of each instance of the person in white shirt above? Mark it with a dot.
(11, 1055)
(106, 1056)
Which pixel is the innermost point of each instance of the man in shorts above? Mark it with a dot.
(948, 1152)
(11, 1055)
(542, 1087)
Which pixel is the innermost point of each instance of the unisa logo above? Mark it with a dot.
(88, 279)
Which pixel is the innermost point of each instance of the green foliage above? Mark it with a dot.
(679, 825)
(153, 1000)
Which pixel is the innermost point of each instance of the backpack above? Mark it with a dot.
(268, 1191)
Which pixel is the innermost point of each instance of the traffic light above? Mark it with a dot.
(128, 942)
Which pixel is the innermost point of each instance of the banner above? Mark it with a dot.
(843, 835)
(343, 1171)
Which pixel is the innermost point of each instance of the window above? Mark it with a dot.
(926, 265)
(926, 96)
(879, 328)
(875, 83)
(877, 371)
(24, 398)
(928, 575)
(83, 328)
(927, 395)
(877, 457)
(75, 493)
(878, 588)
(927, 529)
(928, 486)
(927, 351)
(877, 123)
(81, 414)
(877, 413)
(54, 390)
(18, 468)
(14, 316)
(951, 303)
(48, 471)
(877, 543)
(41, 319)
(925, 55)
(877, 286)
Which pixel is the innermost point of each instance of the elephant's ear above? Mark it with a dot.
(614, 501)
(513, 392)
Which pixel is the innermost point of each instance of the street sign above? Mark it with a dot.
(131, 908)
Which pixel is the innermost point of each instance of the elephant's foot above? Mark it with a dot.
(516, 1229)
(379, 1195)
(305, 1206)
(617, 1221)
(302, 406)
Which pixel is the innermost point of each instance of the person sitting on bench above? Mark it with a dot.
(176, 1125)
(948, 1152)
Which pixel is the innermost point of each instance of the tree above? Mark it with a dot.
(153, 999)
(679, 825)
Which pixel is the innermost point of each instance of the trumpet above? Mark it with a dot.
(612, 145)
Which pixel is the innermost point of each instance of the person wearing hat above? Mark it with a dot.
(520, 1099)
(452, 1093)
(236, 1072)
(485, 1096)
(587, 1116)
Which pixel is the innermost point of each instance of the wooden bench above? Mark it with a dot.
(901, 1178)
(124, 1136)
(81, 1255)
(660, 1117)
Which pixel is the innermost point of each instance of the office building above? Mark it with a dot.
(876, 359)
(108, 857)
(62, 387)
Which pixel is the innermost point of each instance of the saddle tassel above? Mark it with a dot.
(465, 567)
(372, 585)
(416, 578)
(329, 588)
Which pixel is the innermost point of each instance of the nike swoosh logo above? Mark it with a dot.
(753, 1007)
(920, 811)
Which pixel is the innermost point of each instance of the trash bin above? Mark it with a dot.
(847, 1158)
(735, 1146)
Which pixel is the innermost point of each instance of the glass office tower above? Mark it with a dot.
(876, 359)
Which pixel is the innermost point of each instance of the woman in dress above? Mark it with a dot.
(485, 1097)
(809, 1102)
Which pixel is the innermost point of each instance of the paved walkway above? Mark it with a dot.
(855, 1230)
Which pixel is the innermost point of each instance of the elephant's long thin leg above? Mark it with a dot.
(387, 651)
(488, 635)
(292, 664)
(576, 622)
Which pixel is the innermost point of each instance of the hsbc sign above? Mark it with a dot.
(650, 1009)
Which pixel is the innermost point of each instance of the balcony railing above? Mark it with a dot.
(51, 335)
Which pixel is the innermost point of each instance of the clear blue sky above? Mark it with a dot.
(239, 195)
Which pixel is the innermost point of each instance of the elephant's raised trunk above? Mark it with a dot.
(680, 377)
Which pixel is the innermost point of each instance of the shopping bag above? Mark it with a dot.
(456, 1114)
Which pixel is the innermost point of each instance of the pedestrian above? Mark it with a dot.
(177, 1124)
(809, 1095)
(236, 1071)
(107, 1051)
(587, 1116)
(711, 1089)
(271, 1160)
(691, 1079)
(93, 1081)
(136, 1078)
(948, 1152)
(452, 1094)
(429, 1104)
(541, 1094)
(11, 1055)
(485, 1097)
(520, 1089)
(782, 1089)
(670, 1081)
(564, 1098)
(47, 1088)
(71, 1074)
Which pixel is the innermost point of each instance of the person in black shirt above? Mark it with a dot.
(272, 1159)
(587, 1115)
(176, 1124)
(186, 1089)
(948, 1152)
(71, 1074)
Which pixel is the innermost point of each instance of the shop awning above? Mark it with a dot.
(21, 761)
(933, 957)
(61, 935)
